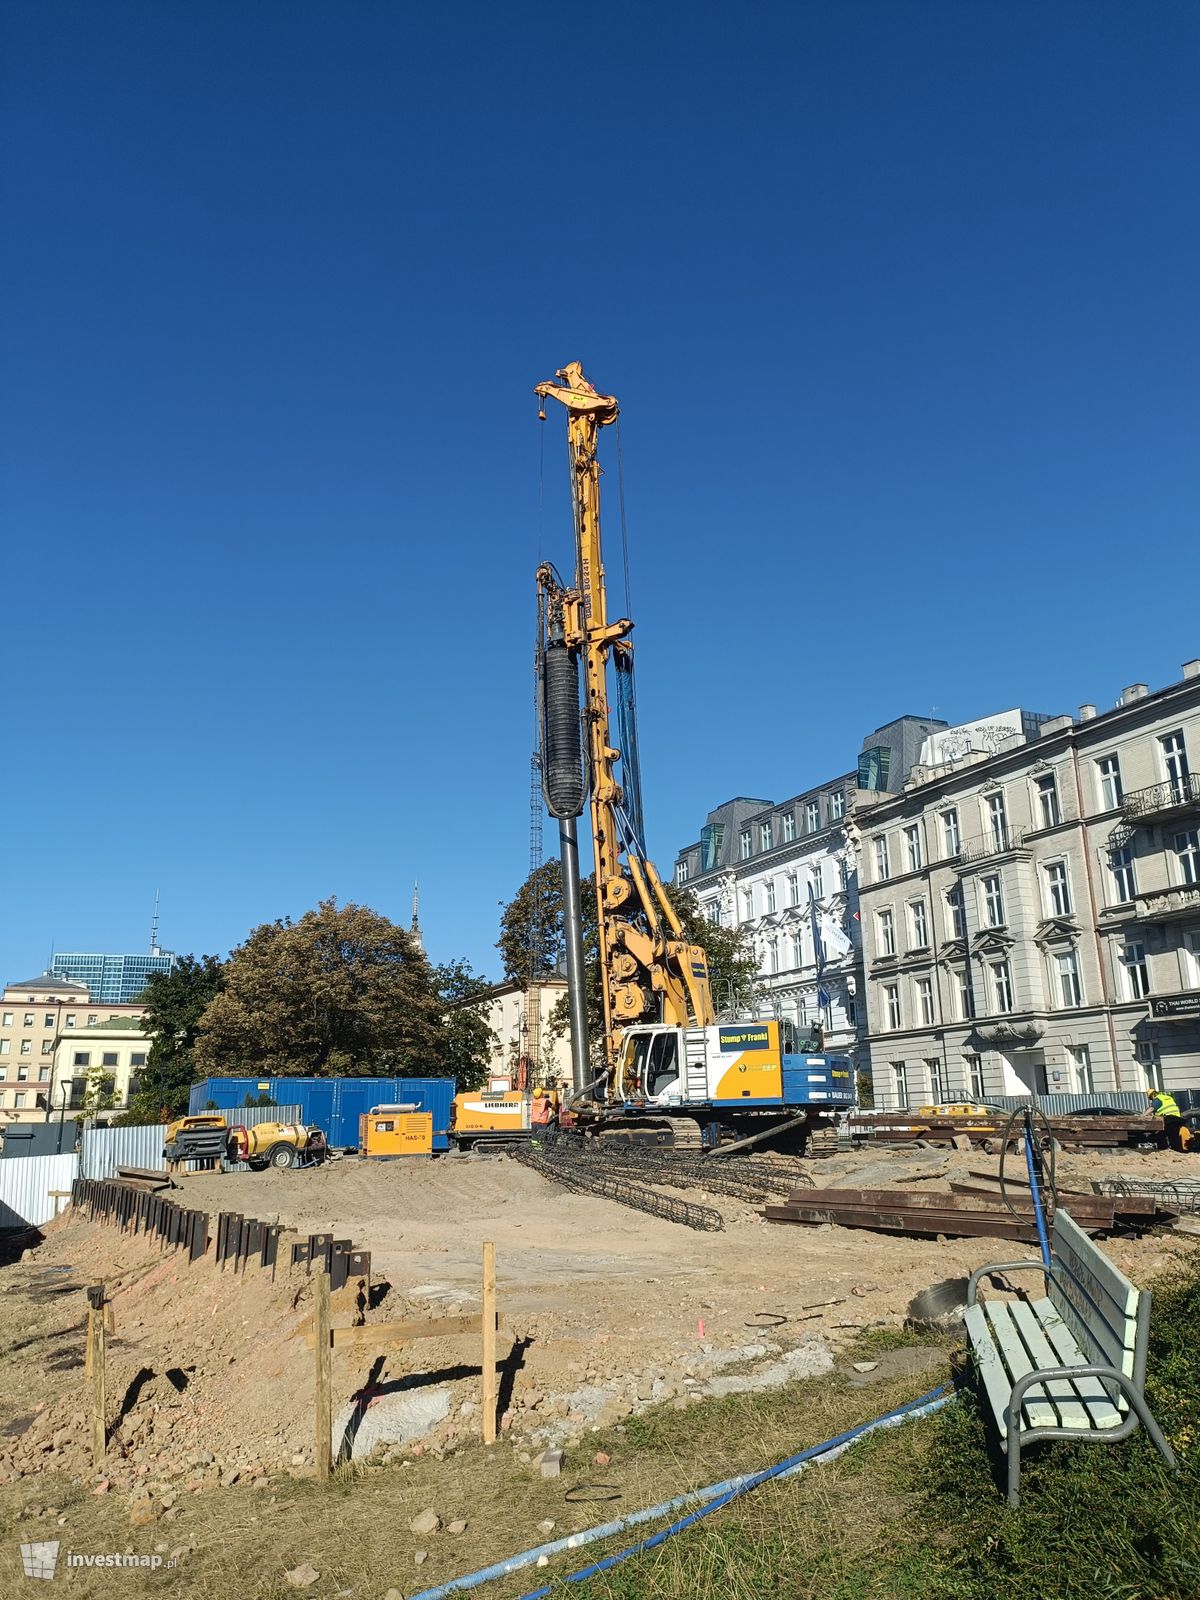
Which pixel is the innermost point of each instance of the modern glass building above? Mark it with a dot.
(113, 980)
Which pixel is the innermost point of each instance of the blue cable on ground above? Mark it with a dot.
(710, 1499)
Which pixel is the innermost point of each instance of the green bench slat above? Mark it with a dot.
(1071, 1412)
(1102, 1412)
(1038, 1411)
(996, 1381)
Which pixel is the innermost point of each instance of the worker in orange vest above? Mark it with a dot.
(543, 1113)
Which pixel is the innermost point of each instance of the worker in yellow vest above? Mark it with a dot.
(1165, 1105)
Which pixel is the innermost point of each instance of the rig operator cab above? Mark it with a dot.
(744, 1076)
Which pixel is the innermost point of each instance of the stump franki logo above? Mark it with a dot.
(41, 1560)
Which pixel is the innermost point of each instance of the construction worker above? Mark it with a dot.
(543, 1115)
(1165, 1105)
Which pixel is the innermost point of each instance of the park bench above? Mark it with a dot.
(1071, 1365)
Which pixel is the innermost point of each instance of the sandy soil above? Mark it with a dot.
(605, 1310)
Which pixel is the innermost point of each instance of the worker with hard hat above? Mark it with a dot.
(1166, 1106)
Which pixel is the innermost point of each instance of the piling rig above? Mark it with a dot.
(663, 1053)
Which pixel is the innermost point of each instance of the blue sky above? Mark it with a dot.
(899, 303)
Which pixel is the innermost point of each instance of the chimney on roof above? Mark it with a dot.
(1053, 725)
(1191, 669)
(1135, 691)
(1087, 712)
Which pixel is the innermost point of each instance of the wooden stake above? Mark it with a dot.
(323, 1442)
(95, 1351)
(489, 1342)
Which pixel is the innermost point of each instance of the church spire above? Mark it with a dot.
(416, 917)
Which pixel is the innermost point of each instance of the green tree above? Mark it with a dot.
(531, 927)
(732, 967)
(99, 1093)
(469, 1041)
(174, 1001)
(342, 991)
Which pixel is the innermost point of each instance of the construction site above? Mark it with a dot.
(400, 1339)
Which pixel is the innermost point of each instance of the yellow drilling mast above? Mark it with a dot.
(649, 972)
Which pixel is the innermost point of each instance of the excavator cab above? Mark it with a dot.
(648, 1067)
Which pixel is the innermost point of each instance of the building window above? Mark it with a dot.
(998, 821)
(1058, 889)
(966, 996)
(789, 827)
(28, 1022)
(951, 839)
(1081, 1068)
(1175, 762)
(82, 1058)
(713, 912)
(891, 998)
(91, 1022)
(1137, 972)
(797, 952)
(993, 901)
(7, 1022)
(1124, 879)
(747, 905)
(974, 1076)
(1189, 956)
(681, 872)
(880, 847)
(918, 926)
(48, 1019)
(818, 881)
(912, 848)
(70, 1019)
(1108, 775)
(900, 1083)
(4, 1047)
(772, 955)
(1070, 992)
(19, 1099)
(769, 894)
(1002, 997)
(26, 1048)
(957, 912)
(1187, 852)
(745, 843)
(937, 1081)
(887, 932)
(793, 883)
(843, 873)
(1048, 807)
(837, 805)
(764, 835)
(1150, 1058)
(925, 1000)
(812, 816)
(22, 1074)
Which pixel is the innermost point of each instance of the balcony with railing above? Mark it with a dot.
(997, 842)
(1171, 798)
(1179, 902)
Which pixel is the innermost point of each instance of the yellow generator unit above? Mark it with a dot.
(395, 1131)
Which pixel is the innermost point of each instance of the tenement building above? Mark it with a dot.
(1030, 905)
(783, 872)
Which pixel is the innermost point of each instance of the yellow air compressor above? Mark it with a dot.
(395, 1131)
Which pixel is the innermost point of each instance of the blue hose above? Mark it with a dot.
(710, 1499)
(1038, 1210)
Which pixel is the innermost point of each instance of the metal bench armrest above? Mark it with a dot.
(977, 1277)
(1132, 1392)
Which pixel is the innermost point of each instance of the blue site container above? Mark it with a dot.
(333, 1104)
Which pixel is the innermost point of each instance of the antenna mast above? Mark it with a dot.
(154, 927)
